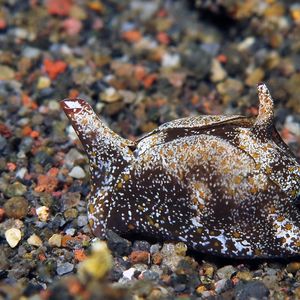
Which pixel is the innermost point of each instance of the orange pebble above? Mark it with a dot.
(34, 134)
(96, 6)
(26, 131)
(73, 93)
(53, 172)
(222, 58)
(65, 239)
(149, 80)
(79, 255)
(132, 36)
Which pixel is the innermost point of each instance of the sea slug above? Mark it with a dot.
(226, 185)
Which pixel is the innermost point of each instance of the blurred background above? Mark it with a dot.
(141, 63)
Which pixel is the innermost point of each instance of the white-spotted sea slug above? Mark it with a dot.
(226, 185)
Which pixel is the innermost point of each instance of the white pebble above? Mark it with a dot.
(13, 237)
(129, 273)
(21, 173)
(77, 172)
(170, 60)
(34, 240)
(42, 213)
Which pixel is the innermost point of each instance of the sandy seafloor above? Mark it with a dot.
(139, 64)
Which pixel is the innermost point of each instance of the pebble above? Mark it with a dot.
(82, 220)
(71, 199)
(72, 157)
(117, 244)
(223, 285)
(54, 105)
(218, 73)
(110, 95)
(141, 246)
(3, 143)
(208, 270)
(77, 172)
(16, 189)
(226, 272)
(129, 273)
(43, 83)
(154, 248)
(197, 60)
(70, 231)
(244, 275)
(170, 61)
(13, 237)
(31, 52)
(16, 207)
(170, 257)
(6, 73)
(270, 281)
(157, 258)
(34, 240)
(295, 12)
(21, 172)
(230, 88)
(139, 257)
(292, 125)
(251, 290)
(150, 275)
(255, 77)
(71, 213)
(55, 240)
(64, 268)
(293, 267)
(43, 213)
(180, 249)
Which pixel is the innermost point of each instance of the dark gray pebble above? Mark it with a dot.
(141, 246)
(117, 244)
(251, 290)
(150, 275)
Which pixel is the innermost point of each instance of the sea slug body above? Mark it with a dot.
(226, 185)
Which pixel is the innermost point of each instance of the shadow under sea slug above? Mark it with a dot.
(226, 185)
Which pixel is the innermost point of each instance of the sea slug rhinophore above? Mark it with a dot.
(226, 185)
